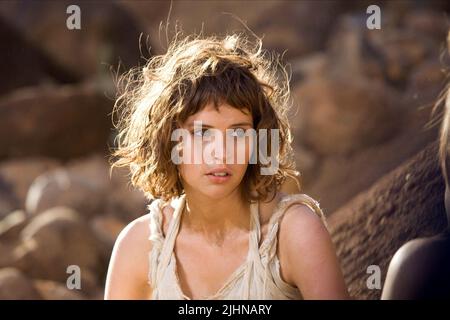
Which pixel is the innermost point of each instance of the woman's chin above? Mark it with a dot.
(216, 192)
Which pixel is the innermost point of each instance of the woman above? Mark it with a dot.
(217, 229)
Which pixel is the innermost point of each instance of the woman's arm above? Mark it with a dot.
(128, 267)
(312, 264)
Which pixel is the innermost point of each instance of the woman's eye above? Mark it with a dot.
(238, 133)
(198, 133)
(201, 133)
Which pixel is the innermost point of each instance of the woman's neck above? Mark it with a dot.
(215, 218)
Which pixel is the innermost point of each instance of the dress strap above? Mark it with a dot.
(162, 246)
(253, 264)
(269, 246)
(255, 227)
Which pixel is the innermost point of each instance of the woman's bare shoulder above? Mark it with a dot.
(138, 231)
(133, 241)
(128, 267)
(300, 220)
(300, 229)
(300, 224)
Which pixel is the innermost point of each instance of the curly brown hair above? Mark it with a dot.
(196, 70)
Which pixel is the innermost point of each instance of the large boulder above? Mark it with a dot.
(120, 198)
(107, 228)
(108, 34)
(340, 115)
(52, 290)
(19, 173)
(6, 253)
(405, 204)
(64, 188)
(290, 28)
(12, 224)
(14, 285)
(55, 240)
(365, 104)
(60, 122)
(8, 199)
(124, 201)
(87, 185)
(337, 179)
(24, 64)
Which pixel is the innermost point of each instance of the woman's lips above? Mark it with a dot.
(218, 179)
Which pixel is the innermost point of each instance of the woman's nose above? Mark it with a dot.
(223, 149)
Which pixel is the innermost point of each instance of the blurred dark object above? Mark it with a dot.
(403, 205)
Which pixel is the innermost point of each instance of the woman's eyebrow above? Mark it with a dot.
(243, 124)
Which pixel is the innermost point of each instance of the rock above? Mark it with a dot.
(427, 22)
(92, 282)
(14, 285)
(304, 67)
(75, 117)
(350, 52)
(307, 164)
(12, 224)
(19, 173)
(6, 253)
(290, 27)
(93, 167)
(207, 16)
(54, 240)
(107, 228)
(425, 83)
(390, 55)
(86, 185)
(402, 51)
(34, 66)
(62, 187)
(99, 295)
(51, 290)
(348, 154)
(405, 204)
(124, 201)
(8, 199)
(345, 114)
(336, 179)
(108, 34)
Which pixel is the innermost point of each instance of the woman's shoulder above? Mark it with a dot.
(290, 213)
(155, 220)
(298, 204)
(138, 231)
(130, 252)
(303, 235)
(299, 226)
(301, 214)
(302, 224)
(289, 206)
(133, 242)
(135, 234)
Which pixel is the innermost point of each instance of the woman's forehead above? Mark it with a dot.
(224, 115)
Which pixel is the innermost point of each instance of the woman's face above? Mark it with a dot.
(216, 147)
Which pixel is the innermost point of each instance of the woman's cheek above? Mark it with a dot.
(244, 146)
